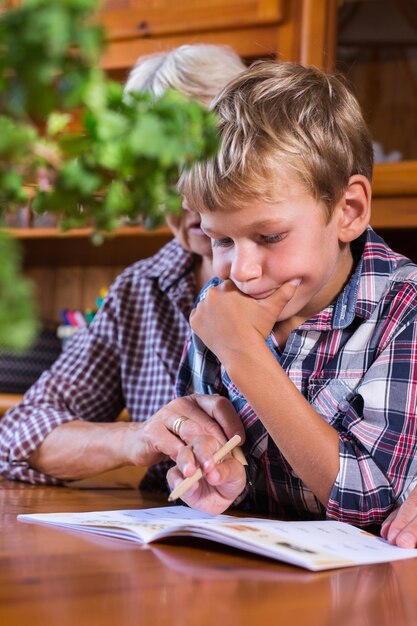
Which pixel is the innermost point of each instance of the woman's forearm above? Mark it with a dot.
(78, 449)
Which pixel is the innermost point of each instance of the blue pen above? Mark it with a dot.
(65, 319)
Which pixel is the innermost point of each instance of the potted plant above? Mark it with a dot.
(71, 144)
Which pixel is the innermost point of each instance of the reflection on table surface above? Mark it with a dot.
(52, 576)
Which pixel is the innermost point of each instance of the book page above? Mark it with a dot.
(315, 545)
(143, 525)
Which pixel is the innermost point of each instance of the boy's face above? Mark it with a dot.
(261, 245)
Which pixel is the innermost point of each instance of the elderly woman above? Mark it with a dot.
(65, 428)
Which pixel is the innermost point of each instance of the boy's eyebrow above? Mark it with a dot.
(276, 223)
(206, 230)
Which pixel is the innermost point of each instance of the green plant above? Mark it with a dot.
(69, 138)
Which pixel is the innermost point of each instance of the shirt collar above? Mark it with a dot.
(375, 263)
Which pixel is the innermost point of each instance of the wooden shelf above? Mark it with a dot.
(86, 233)
(52, 247)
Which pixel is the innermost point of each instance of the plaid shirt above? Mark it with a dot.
(128, 357)
(356, 363)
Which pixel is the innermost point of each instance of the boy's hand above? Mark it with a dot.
(400, 528)
(227, 320)
(221, 483)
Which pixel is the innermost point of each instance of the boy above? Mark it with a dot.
(311, 330)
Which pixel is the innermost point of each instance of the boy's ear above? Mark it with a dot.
(355, 208)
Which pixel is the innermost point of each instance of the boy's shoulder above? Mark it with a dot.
(401, 293)
(388, 284)
(380, 264)
(405, 273)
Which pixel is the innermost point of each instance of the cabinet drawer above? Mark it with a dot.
(146, 18)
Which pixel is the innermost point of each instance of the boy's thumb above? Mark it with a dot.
(284, 293)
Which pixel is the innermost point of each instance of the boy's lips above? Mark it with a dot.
(262, 295)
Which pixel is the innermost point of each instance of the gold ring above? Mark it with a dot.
(176, 425)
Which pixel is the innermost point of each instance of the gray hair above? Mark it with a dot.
(199, 71)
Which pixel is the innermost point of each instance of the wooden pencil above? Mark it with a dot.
(218, 456)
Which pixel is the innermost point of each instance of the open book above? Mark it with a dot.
(313, 545)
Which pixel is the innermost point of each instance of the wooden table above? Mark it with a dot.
(50, 576)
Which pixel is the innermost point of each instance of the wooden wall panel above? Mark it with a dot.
(43, 279)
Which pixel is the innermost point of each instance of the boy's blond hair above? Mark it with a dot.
(199, 71)
(282, 118)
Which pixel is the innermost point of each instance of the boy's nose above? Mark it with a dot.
(245, 267)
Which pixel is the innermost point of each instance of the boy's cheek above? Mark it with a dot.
(221, 270)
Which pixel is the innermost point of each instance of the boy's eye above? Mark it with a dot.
(221, 243)
(275, 238)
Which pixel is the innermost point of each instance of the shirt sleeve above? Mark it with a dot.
(200, 369)
(83, 384)
(378, 437)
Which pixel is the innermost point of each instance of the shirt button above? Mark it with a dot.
(344, 406)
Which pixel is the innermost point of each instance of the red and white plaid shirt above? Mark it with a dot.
(127, 358)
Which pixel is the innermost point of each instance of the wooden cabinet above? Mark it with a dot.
(375, 46)
(129, 19)
(69, 270)
(314, 32)
(137, 27)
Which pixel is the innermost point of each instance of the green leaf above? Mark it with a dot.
(57, 122)
(124, 161)
(18, 323)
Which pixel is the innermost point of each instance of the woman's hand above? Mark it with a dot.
(221, 484)
(155, 440)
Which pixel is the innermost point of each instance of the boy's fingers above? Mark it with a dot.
(387, 524)
(274, 304)
(284, 293)
(227, 471)
(407, 538)
(228, 477)
(400, 527)
(403, 530)
(175, 478)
